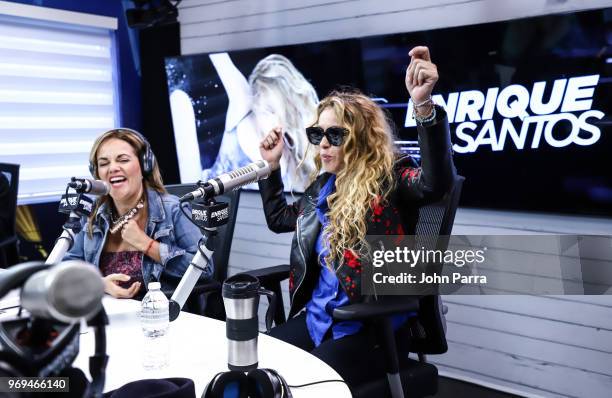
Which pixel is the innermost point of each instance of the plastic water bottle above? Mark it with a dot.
(155, 319)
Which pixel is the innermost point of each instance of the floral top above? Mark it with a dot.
(128, 263)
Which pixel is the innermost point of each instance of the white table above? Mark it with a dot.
(198, 351)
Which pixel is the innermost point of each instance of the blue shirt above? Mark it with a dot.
(176, 235)
(328, 294)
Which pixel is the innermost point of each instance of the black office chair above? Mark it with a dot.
(423, 334)
(205, 299)
(9, 181)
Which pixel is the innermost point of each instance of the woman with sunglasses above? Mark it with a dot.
(363, 187)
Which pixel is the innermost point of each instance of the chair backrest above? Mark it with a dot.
(434, 226)
(225, 233)
(436, 219)
(9, 182)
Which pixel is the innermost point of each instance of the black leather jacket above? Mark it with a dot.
(415, 186)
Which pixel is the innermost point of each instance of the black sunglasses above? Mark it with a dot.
(335, 135)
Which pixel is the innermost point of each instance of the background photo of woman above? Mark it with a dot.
(276, 93)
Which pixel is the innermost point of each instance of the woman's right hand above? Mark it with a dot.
(111, 286)
(271, 147)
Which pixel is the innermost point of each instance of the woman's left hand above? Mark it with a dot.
(132, 234)
(421, 75)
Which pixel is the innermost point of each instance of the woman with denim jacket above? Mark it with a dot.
(137, 232)
(364, 187)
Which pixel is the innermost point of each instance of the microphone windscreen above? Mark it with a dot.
(99, 187)
(66, 292)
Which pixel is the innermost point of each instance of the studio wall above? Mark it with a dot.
(44, 216)
(557, 346)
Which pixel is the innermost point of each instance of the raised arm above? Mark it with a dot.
(280, 216)
(436, 174)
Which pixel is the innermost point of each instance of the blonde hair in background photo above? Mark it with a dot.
(282, 96)
(276, 93)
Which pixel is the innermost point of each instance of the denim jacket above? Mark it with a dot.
(178, 238)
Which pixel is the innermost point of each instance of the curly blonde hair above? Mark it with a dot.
(366, 176)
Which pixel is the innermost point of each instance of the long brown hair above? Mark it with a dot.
(366, 176)
(153, 180)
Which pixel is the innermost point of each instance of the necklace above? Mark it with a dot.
(118, 223)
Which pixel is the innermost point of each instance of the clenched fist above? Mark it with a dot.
(421, 75)
(271, 147)
(132, 234)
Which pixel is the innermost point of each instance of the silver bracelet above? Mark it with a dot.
(425, 119)
(426, 102)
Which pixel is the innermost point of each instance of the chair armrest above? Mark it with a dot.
(270, 278)
(269, 275)
(8, 241)
(169, 284)
(377, 309)
(207, 287)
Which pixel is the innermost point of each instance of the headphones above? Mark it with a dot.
(146, 156)
(258, 383)
(32, 347)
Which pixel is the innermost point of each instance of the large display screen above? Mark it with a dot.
(528, 102)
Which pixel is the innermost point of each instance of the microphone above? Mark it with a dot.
(94, 187)
(229, 181)
(65, 292)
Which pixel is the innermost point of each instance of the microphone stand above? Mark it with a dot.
(207, 215)
(76, 205)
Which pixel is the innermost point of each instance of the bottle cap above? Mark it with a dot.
(154, 286)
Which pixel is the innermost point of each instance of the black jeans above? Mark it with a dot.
(356, 358)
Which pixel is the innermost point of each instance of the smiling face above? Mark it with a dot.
(118, 164)
(331, 156)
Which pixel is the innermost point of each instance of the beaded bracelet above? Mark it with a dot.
(425, 119)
